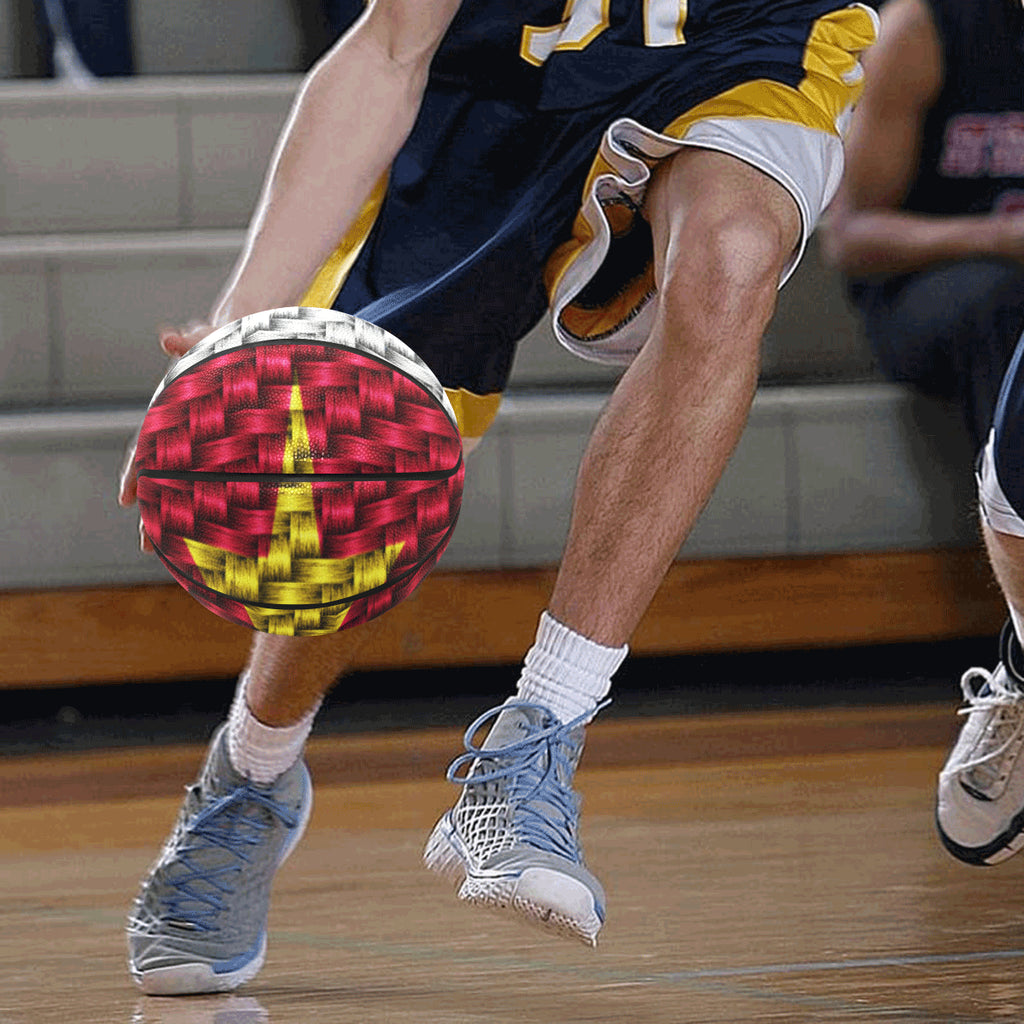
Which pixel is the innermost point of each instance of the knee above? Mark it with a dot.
(724, 268)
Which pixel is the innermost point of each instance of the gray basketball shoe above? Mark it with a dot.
(199, 923)
(980, 807)
(511, 839)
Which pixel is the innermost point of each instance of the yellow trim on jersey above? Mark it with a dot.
(331, 275)
(596, 322)
(531, 33)
(582, 233)
(604, 320)
(474, 413)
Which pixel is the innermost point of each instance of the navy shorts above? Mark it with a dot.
(499, 207)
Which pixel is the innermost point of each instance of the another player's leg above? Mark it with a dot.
(723, 232)
(980, 806)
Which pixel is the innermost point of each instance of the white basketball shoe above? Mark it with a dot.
(511, 841)
(980, 808)
(199, 922)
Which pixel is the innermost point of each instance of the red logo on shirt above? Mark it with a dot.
(984, 146)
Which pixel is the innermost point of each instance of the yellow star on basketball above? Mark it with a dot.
(292, 572)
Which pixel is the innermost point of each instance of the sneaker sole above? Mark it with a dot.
(199, 977)
(528, 894)
(1003, 847)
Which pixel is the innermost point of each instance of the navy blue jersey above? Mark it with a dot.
(972, 158)
(642, 40)
(527, 52)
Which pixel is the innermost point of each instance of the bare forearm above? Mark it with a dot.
(873, 242)
(350, 118)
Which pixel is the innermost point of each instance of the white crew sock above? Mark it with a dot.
(262, 752)
(567, 673)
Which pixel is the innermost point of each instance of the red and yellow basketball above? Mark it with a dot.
(299, 471)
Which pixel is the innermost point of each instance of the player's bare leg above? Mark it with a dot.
(286, 677)
(1006, 553)
(723, 233)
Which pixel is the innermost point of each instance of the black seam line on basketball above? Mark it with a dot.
(328, 345)
(294, 478)
(329, 604)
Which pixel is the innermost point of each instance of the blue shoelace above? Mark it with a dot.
(538, 771)
(226, 825)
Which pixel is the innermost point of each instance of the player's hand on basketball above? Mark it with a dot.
(128, 491)
(175, 342)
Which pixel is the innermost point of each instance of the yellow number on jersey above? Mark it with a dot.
(584, 20)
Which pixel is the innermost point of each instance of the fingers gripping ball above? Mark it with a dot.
(299, 471)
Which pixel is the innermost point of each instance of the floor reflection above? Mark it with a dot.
(221, 1009)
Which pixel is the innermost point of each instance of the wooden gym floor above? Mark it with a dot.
(776, 867)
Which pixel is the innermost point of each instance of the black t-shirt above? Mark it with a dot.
(972, 159)
(972, 154)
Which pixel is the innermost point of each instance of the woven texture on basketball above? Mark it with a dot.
(297, 487)
(301, 559)
(233, 411)
(326, 326)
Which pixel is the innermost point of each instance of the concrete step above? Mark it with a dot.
(81, 312)
(132, 154)
(823, 468)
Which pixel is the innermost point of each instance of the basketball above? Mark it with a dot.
(299, 471)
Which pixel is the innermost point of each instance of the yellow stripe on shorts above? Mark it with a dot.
(833, 80)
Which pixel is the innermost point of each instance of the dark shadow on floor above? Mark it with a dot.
(126, 715)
